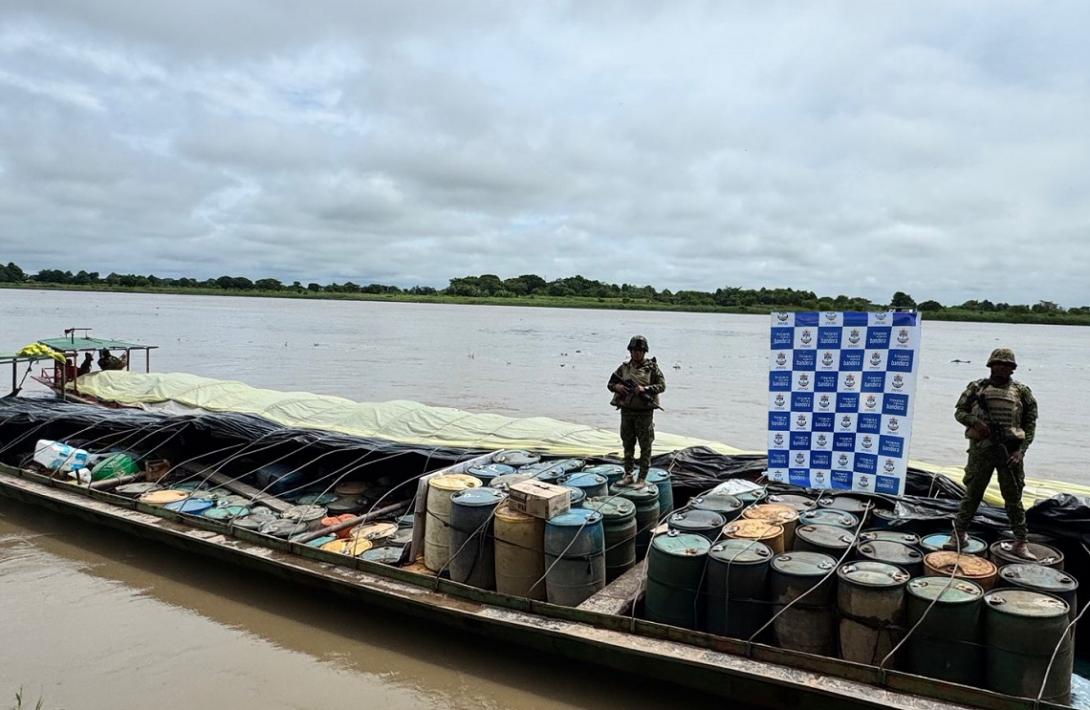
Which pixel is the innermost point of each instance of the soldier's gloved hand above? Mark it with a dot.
(982, 430)
(1016, 457)
(619, 388)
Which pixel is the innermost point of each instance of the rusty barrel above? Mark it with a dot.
(1022, 629)
(778, 513)
(768, 533)
(946, 564)
(871, 601)
(809, 624)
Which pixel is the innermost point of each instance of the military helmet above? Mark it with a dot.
(638, 342)
(1002, 355)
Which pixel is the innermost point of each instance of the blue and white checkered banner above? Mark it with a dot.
(841, 393)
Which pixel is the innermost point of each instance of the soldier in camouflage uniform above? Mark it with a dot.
(636, 386)
(1000, 419)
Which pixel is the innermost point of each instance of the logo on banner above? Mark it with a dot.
(822, 440)
(781, 359)
(867, 442)
(782, 317)
(875, 359)
(823, 401)
(799, 459)
(854, 337)
(827, 359)
(842, 460)
(870, 402)
(778, 439)
(806, 338)
(880, 316)
(819, 476)
(830, 317)
(849, 381)
(893, 424)
(864, 482)
(801, 421)
(780, 401)
(804, 381)
(898, 382)
(889, 466)
(902, 336)
(845, 422)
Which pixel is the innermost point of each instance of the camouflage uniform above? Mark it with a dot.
(1013, 410)
(637, 411)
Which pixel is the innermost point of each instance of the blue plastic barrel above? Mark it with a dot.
(613, 472)
(193, 506)
(661, 478)
(473, 556)
(578, 495)
(592, 484)
(489, 471)
(575, 556)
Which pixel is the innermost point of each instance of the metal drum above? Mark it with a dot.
(735, 588)
(1021, 630)
(590, 483)
(971, 567)
(768, 533)
(856, 506)
(167, 495)
(520, 553)
(870, 597)
(892, 553)
(828, 516)
(377, 533)
(516, 458)
(675, 571)
(778, 513)
(351, 547)
(578, 495)
(575, 557)
(551, 471)
(828, 539)
(437, 520)
(799, 503)
(407, 520)
(257, 518)
(810, 624)
(1047, 556)
(946, 644)
(722, 503)
(487, 472)
(506, 481)
(1037, 578)
(317, 498)
(661, 478)
(191, 506)
(619, 523)
(935, 541)
(309, 515)
(613, 472)
(753, 495)
(646, 499)
(229, 512)
(472, 554)
(880, 518)
(706, 523)
(350, 505)
(384, 554)
(132, 490)
(887, 535)
(348, 489)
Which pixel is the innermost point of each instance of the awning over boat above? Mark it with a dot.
(81, 344)
(399, 420)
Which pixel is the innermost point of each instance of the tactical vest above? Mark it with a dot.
(1004, 404)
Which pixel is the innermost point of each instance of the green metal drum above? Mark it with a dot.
(827, 516)
(753, 495)
(661, 478)
(675, 570)
(1021, 631)
(892, 553)
(946, 644)
(613, 472)
(735, 587)
(827, 539)
(856, 506)
(935, 542)
(1001, 554)
(726, 505)
(706, 523)
(887, 535)
(619, 523)
(646, 500)
(799, 503)
(1027, 575)
(810, 624)
(871, 601)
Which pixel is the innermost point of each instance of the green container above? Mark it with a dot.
(809, 625)
(661, 478)
(735, 587)
(828, 516)
(856, 506)
(707, 523)
(675, 570)
(946, 644)
(646, 500)
(726, 505)
(613, 472)
(826, 539)
(752, 496)
(1021, 631)
(905, 538)
(871, 601)
(113, 466)
(619, 522)
(1037, 578)
(937, 541)
(893, 553)
(801, 504)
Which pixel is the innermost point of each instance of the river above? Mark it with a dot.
(95, 619)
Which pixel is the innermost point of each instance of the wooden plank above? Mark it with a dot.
(250, 492)
(618, 597)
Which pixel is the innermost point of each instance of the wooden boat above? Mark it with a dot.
(602, 630)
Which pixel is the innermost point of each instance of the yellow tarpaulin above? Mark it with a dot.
(414, 423)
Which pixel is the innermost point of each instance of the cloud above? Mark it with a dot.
(857, 149)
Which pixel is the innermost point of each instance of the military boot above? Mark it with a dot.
(957, 542)
(1020, 548)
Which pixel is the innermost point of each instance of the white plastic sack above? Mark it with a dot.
(57, 456)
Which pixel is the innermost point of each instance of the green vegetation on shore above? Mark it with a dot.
(532, 290)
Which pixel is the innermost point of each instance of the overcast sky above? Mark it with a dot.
(940, 148)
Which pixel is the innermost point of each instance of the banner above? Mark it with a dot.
(841, 391)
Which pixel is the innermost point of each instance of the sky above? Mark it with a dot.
(859, 148)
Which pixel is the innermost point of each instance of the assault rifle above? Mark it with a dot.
(631, 386)
(995, 433)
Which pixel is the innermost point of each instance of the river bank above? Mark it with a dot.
(540, 301)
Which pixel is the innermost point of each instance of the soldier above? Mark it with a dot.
(1000, 419)
(636, 386)
(109, 361)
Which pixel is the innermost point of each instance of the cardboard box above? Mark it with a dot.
(539, 499)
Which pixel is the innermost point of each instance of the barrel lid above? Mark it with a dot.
(255, 519)
(347, 504)
(384, 554)
(226, 512)
(935, 541)
(164, 496)
(136, 489)
(946, 590)
(193, 506)
(350, 488)
(876, 575)
(403, 536)
(575, 517)
(696, 519)
(1026, 603)
(375, 531)
(905, 538)
(829, 516)
(740, 552)
(896, 553)
(846, 503)
(803, 563)
(331, 520)
(578, 495)
(719, 502)
(516, 457)
(505, 513)
(966, 565)
(799, 503)
(478, 497)
(753, 495)
(316, 498)
(681, 544)
(453, 482)
(234, 500)
(828, 536)
(490, 470)
(611, 507)
(606, 469)
(1046, 555)
(505, 481)
(772, 512)
(282, 528)
(316, 542)
(753, 529)
(637, 494)
(1038, 577)
(582, 479)
(351, 546)
(304, 513)
(657, 475)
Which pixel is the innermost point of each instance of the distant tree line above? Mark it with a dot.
(531, 285)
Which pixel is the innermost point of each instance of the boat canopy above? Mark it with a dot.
(74, 344)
